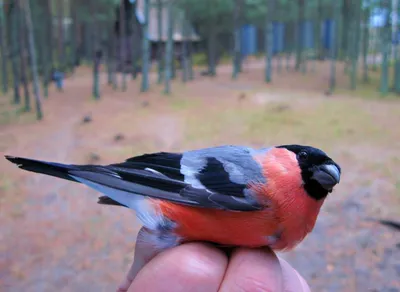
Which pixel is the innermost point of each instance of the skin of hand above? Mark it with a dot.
(199, 267)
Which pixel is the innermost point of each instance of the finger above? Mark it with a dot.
(144, 252)
(191, 267)
(253, 270)
(292, 280)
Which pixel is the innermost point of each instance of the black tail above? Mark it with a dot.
(53, 169)
(116, 181)
(49, 168)
(390, 223)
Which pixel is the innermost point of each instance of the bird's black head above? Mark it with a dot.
(319, 172)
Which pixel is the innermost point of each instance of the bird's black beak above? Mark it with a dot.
(327, 175)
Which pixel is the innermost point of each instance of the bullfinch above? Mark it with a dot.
(227, 195)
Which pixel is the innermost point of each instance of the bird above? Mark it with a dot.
(229, 195)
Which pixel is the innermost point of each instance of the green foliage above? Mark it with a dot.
(209, 14)
(105, 10)
(255, 11)
(199, 59)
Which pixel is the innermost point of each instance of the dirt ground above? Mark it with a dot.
(54, 237)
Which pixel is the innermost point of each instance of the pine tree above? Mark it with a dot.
(355, 41)
(146, 48)
(122, 42)
(269, 40)
(3, 53)
(32, 53)
(236, 50)
(61, 36)
(365, 40)
(160, 42)
(334, 45)
(14, 49)
(168, 49)
(23, 60)
(386, 45)
(96, 50)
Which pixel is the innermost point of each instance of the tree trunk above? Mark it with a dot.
(23, 60)
(365, 44)
(169, 49)
(349, 34)
(317, 32)
(96, 53)
(269, 40)
(339, 33)
(236, 50)
(396, 79)
(32, 53)
(375, 50)
(355, 41)
(109, 52)
(114, 40)
(43, 40)
(173, 63)
(160, 42)
(49, 32)
(304, 37)
(35, 14)
(346, 12)
(190, 62)
(289, 45)
(300, 34)
(122, 43)
(96, 79)
(74, 34)
(135, 51)
(279, 52)
(146, 48)
(386, 44)
(61, 36)
(4, 53)
(333, 42)
(14, 51)
(184, 57)
(242, 14)
(211, 44)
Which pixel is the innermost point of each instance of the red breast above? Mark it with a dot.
(290, 216)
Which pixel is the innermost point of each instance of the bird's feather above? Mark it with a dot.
(216, 177)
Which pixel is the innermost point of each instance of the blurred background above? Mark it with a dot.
(101, 81)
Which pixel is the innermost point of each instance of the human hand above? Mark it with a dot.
(201, 267)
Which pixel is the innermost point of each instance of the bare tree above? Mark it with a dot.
(146, 48)
(236, 47)
(61, 35)
(3, 52)
(122, 42)
(269, 39)
(23, 59)
(32, 53)
(14, 48)
(169, 49)
(96, 50)
(160, 42)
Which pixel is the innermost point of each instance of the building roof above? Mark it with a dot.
(153, 22)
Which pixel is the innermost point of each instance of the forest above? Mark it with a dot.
(39, 40)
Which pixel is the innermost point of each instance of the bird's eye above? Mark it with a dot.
(303, 155)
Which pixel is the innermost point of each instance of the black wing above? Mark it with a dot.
(157, 175)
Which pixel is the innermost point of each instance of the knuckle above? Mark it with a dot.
(251, 284)
(200, 266)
